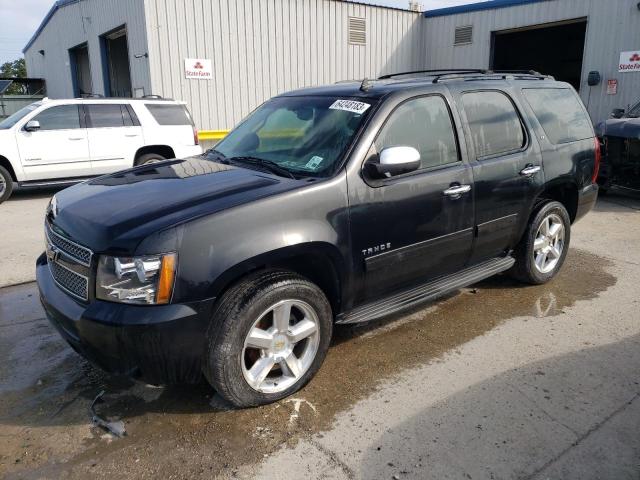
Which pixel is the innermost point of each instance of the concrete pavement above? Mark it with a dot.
(498, 381)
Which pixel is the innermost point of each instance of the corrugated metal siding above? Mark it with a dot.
(613, 26)
(263, 47)
(81, 22)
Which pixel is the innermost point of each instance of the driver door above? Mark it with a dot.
(59, 149)
(411, 228)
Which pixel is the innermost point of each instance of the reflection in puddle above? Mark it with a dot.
(188, 431)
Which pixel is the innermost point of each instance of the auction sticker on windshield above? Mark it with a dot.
(350, 106)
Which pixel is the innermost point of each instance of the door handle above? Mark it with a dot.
(530, 170)
(131, 135)
(76, 138)
(457, 190)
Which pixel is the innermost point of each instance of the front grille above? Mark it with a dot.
(69, 263)
(71, 249)
(74, 283)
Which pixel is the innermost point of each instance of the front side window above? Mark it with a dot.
(11, 120)
(560, 114)
(634, 112)
(304, 135)
(62, 117)
(494, 123)
(107, 115)
(425, 124)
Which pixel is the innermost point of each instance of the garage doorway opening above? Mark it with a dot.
(554, 49)
(81, 70)
(115, 56)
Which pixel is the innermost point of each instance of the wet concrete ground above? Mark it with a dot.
(187, 431)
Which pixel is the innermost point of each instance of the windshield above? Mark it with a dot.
(305, 135)
(19, 115)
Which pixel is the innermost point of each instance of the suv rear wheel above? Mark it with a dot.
(6, 184)
(544, 247)
(149, 158)
(268, 337)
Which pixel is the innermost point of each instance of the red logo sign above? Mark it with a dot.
(198, 66)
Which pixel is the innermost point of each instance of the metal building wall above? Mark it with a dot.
(262, 47)
(613, 27)
(85, 21)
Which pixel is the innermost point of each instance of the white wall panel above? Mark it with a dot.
(260, 48)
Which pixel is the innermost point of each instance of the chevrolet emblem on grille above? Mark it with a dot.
(52, 253)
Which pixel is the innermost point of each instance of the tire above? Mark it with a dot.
(231, 361)
(531, 265)
(6, 184)
(148, 158)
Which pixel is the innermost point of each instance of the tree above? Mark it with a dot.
(15, 69)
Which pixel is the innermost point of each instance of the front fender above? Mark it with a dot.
(214, 251)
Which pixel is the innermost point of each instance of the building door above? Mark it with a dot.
(554, 49)
(116, 57)
(81, 71)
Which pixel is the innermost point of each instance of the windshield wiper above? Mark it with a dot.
(261, 162)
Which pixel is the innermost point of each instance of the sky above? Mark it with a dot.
(19, 19)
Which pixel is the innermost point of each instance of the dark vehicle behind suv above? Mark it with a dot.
(337, 204)
(621, 138)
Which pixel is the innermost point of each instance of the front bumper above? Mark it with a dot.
(587, 198)
(158, 344)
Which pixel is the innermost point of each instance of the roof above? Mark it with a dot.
(476, 7)
(63, 3)
(56, 6)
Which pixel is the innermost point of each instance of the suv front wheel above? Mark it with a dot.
(268, 337)
(544, 246)
(6, 184)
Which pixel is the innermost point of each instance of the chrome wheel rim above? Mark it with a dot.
(280, 346)
(549, 243)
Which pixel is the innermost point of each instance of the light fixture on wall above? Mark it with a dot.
(141, 55)
(41, 52)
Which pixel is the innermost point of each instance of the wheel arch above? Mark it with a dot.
(165, 150)
(4, 162)
(319, 262)
(565, 193)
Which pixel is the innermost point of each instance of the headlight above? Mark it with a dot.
(144, 280)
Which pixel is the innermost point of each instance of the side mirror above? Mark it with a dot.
(395, 161)
(617, 113)
(32, 126)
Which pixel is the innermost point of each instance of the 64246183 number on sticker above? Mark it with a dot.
(350, 106)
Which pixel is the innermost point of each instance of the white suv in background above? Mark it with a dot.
(55, 142)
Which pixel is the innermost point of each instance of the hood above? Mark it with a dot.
(113, 213)
(619, 127)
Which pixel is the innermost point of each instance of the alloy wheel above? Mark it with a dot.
(281, 346)
(549, 243)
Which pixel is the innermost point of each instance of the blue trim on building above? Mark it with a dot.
(476, 7)
(56, 6)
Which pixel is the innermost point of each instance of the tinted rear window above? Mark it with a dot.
(494, 123)
(106, 115)
(560, 113)
(170, 114)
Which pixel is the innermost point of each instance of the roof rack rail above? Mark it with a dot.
(436, 71)
(91, 95)
(156, 97)
(492, 74)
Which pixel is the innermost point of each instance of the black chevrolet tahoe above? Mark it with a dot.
(329, 205)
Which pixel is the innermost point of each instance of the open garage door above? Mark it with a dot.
(554, 49)
(116, 58)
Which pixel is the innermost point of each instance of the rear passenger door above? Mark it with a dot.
(507, 169)
(114, 136)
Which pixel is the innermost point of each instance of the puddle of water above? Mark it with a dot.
(189, 432)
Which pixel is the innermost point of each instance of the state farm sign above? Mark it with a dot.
(629, 62)
(198, 68)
